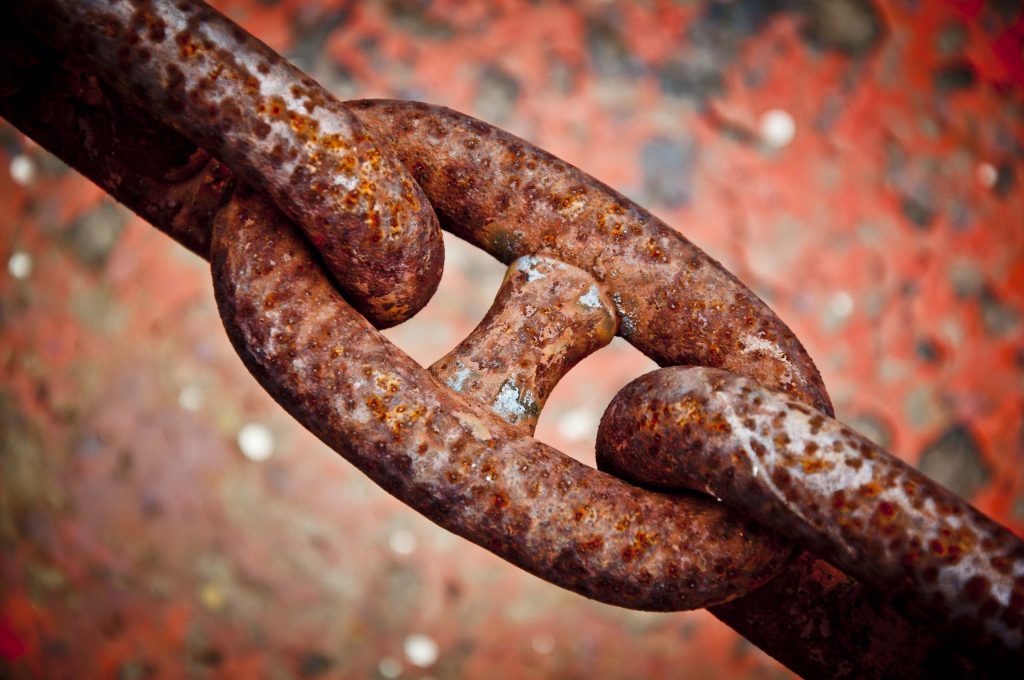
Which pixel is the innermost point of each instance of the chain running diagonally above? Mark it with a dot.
(241, 148)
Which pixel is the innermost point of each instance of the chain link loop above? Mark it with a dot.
(276, 151)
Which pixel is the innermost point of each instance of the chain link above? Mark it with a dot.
(245, 148)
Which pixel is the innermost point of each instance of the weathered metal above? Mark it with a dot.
(546, 318)
(675, 304)
(56, 115)
(826, 488)
(282, 132)
(459, 464)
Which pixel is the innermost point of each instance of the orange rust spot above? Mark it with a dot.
(645, 539)
(274, 106)
(642, 541)
(387, 383)
(870, 489)
(812, 465)
(689, 410)
(652, 249)
(187, 47)
(719, 424)
(377, 408)
(580, 512)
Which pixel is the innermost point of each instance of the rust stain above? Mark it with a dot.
(922, 549)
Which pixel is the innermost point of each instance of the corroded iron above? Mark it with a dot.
(281, 131)
(793, 618)
(675, 304)
(546, 318)
(460, 464)
(827, 488)
(464, 466)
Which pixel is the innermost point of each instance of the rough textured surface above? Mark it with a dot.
(458, 464)
(675, 304)
(827, 488)
(139, 541)
(282, 131)
(546, 318)
(827, 590)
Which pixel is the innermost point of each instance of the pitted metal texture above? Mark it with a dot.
(825, 487)
(463, 460)
(461, 465)
(279, 129)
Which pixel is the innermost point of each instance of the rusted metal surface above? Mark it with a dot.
(546, 317)
(611, 560)
(768, 351)
(147, 165)
(675, 304)
(805, 606)
(458, 464)
(827, 488)
(702, 522)
(280, 130)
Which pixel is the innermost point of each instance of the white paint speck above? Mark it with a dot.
(507, 403)
(777, 128)
(591, 298)
(190, 398)
(458, 381)
(841, 304)
(528, 265)
(389, 667)
(23, 170)
(19, 266)
(626, 324)
(576, 424)
(753, 343)
(987, 174)
(402, 542)
(543, 643)
(421, 650)
(256, 441)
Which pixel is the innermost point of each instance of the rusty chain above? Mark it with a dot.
(218, 141)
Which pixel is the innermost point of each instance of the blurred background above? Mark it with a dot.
(857, 163)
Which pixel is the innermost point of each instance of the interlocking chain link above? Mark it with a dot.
(248, 148)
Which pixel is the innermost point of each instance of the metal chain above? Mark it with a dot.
(247, 148)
